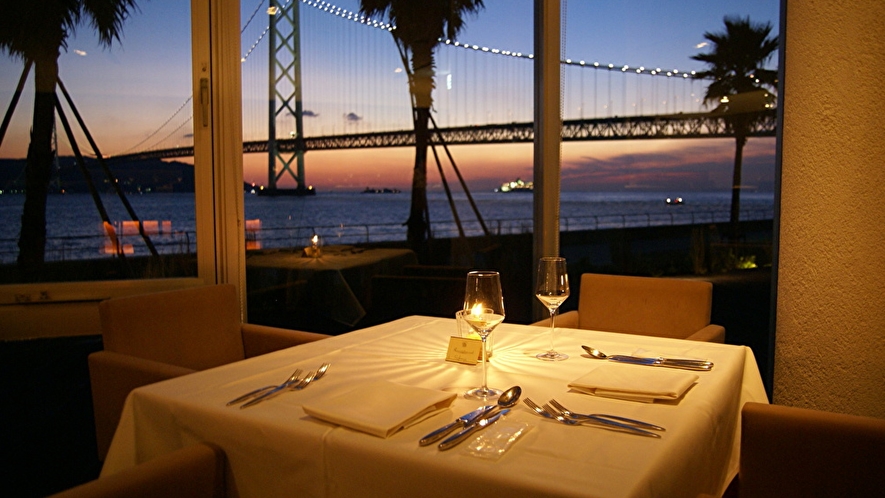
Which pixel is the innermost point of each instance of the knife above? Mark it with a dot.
(453, 441)
(664, 362)
(460, 422)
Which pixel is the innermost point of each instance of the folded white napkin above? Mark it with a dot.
(638, 383)
(380, 407)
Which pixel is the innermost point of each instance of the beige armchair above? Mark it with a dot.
(663, 307)
(788, 451)
(195, 471)
(153, 337)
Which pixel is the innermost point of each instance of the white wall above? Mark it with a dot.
(830, 334)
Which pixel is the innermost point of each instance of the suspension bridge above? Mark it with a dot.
(336, 81)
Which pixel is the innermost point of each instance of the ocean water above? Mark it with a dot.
(75, 229)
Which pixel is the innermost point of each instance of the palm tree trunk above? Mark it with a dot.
(740, 141)
(421, 88)
(38, 170)
(419, 223)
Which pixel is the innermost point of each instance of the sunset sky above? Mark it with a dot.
(146, 78)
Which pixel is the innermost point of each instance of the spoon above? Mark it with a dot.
(686, 364)
(506, 400)
(594, 352)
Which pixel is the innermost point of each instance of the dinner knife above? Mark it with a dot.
(664, 362)
(455, 440)
(460, 422)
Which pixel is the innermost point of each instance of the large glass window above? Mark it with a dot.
(648, 183)
(118, 153)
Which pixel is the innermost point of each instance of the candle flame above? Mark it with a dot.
(477, 309)
(315, 239)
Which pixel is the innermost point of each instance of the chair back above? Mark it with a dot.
(197, 328)
(789, 451)
(663, 307)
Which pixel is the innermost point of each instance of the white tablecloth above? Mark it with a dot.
(334, 286)
(275, 449)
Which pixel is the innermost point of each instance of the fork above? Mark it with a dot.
(310, 378)
(261, 390)
(600, 423)
(298, 382)
(294, 386)
(596, 416)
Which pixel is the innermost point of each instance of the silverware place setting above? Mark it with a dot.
(602, 421)
(293, 383)
(682, 363)
(471, 422)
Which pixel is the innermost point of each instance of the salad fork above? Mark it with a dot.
(600, 423)
(596, 416)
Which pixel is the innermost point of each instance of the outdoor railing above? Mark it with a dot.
(92, 246)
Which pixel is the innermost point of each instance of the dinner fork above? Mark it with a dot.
(596, 416)
(295, 385)
(317, 375)
(600, 423)
(300, 382)
(261, 390)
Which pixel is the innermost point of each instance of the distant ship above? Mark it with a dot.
(381, 191)
(285, 192)
(516, 186)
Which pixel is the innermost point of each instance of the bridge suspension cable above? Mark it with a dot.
(378, 100)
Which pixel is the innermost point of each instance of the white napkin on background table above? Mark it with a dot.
(635, 383)
(381, 407)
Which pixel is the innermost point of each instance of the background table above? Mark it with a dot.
(289, 290)
(275, 449)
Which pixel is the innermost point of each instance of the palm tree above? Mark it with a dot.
(419, 25)
(35, 32)
(740, 85)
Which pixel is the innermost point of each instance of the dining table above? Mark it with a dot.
(276, 448)
(333, 284)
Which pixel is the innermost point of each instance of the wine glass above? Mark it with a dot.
(552, 290)
(484, 310)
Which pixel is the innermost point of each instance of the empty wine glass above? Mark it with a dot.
(484, 310)
(552, 290)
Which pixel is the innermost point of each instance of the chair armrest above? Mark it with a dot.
(568, 320)
(261, 339)
(112, 376)
(710, 333)
(195, 470)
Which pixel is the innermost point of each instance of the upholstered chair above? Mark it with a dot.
(789, 451)
(663, 307)
(195, 471)
(152, 337)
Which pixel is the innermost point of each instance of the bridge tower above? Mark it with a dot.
(284, 99)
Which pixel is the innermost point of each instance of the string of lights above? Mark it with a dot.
(356, 17)
(581, 63)
(345, 14)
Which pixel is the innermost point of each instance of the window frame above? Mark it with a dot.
(218, 172)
